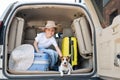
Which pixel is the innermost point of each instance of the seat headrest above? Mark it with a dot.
(30, 33)
(67, 32)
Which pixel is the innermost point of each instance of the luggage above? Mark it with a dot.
(69, 48)
(41, 62)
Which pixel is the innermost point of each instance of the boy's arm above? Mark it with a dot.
(58, 50)
(36, 46)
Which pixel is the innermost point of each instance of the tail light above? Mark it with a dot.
(1, 32)
(1, 24)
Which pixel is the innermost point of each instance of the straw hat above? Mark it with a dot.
(50, 24)
(21, 58)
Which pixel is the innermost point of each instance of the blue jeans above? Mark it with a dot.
(53, 56)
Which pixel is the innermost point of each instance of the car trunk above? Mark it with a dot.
(72, 20)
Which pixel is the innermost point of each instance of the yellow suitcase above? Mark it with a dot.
(69, 48)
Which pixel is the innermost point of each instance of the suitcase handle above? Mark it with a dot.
(71, 49)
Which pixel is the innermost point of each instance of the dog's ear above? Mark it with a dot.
(68, 58)
(61, 57)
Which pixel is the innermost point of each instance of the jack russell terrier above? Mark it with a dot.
(65, 67)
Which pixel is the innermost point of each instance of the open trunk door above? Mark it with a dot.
(108, 50)
(108, 45)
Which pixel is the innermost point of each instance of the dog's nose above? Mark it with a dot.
(118, 56)
(65, 63)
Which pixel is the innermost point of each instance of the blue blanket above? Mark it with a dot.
(40, 63)
(45, 59)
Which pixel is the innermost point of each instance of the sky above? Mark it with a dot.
(5, 3)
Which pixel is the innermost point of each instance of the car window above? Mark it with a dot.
(106, 10)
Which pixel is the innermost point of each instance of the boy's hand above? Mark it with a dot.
(40, 52)
(37, 51)
(60, 56)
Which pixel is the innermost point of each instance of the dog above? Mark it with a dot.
(65, 67)
(117, 60)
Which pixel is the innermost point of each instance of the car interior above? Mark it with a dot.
(28, 21)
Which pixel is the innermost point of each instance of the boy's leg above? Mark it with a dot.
(53, 55)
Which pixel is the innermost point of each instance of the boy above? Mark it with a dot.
(45, 39)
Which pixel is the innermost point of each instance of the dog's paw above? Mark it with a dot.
(61, 74)
(68, 73)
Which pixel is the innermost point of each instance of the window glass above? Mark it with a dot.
(106, 10)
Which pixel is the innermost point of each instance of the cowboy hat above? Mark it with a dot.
(21, 58)
(50, 24)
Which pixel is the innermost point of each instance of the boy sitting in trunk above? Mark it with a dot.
(45, 39)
